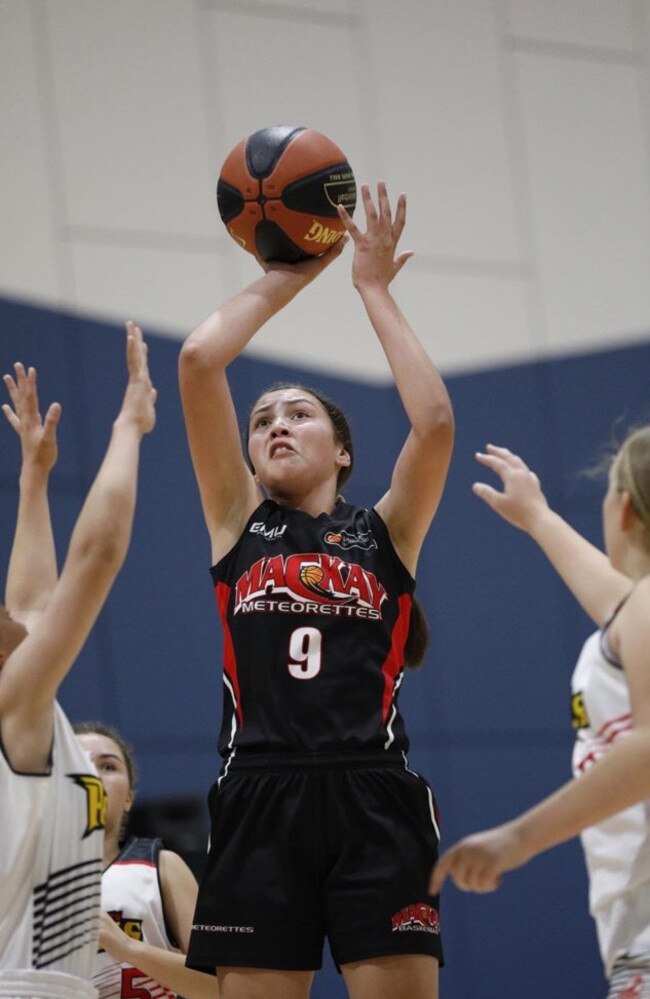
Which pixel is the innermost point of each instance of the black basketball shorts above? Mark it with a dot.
(302, 850)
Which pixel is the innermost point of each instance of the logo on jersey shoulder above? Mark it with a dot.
(309, 583)
(579, 716)
(420, 918)
(132, 927)
(345, 540)
(95, 801)
(268, 533)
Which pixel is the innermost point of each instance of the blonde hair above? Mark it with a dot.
(632, 473)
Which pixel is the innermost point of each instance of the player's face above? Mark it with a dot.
(111, 766)
(11, 634)
(291, 441)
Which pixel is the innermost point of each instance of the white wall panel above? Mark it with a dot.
(589, 183)
(28, 265)
(274, 70)
(467, 322)
(129, 106)
(164, 291)
(599, 23)
(437, 92)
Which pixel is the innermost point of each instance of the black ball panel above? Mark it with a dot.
(273, 244)
(320, 193)
(264, 148)
(230, 201)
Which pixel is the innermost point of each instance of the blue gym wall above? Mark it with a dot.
(489, 713)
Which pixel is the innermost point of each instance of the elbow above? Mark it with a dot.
(439, 427)
(105, 552)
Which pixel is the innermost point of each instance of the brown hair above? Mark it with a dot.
(99, 728)
(338, 419)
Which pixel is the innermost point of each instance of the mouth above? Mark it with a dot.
(280, 450)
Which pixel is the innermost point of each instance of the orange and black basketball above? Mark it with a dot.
(278, 191)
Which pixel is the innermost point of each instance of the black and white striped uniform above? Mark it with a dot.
(51, 843)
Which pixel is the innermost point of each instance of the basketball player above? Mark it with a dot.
(148, 893)
(318, 826)
(609, 799)
(53, 803)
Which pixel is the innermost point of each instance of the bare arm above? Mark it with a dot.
(619, 779)
(228, 491)
(34, 671)
(32, 572)
(420, 472)
(179, 891)
(586, 570)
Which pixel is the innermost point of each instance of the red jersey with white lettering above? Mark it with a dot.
(315, 612)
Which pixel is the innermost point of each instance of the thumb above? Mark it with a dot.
(52, 418)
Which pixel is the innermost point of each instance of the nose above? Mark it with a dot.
(279, 427)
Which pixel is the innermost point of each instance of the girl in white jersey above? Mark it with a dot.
(53, 803)
(148, 893)
(609, 799)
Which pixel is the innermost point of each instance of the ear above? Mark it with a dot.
(343, 459)
(128, 805)
(628, 515)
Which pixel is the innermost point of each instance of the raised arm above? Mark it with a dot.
(179, 890)
(228, 490)
(619, 779)
(32, 572)
(34, 670)
(585, 569)
(420, 472)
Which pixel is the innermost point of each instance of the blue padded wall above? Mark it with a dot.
(489, 713)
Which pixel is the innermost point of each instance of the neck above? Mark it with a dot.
(111, 848)
(316, 501)
(637, 563)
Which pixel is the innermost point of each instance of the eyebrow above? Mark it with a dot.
(110, 756)
(289, 402)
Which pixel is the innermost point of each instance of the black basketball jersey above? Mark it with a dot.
(315, 613)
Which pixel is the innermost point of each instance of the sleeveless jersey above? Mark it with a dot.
(51, 839)
(617, 851)
(131, 895)
(315, 613)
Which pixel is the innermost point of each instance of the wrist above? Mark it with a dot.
(33, 473)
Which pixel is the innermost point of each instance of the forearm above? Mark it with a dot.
(105, 522)
(168, 968)
(617, 781)
(585, 569)
(227, 331)
(32, 572)
(418, 381)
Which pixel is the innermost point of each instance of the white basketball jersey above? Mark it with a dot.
(51, 843)
(617, 851)
(131, 895)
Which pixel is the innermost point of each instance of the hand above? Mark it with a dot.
(304, 271)
(112, 938)
(375, 261)
(477, 862)
(140, 396)
(37, 437)
(522, 497)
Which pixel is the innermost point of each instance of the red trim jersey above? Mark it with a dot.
(617, 850)
(315, 613)
(132, 896)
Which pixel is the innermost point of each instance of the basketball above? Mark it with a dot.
(278, 190)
